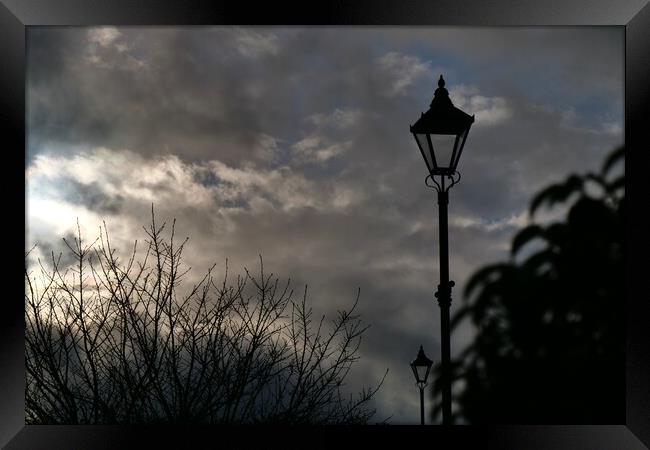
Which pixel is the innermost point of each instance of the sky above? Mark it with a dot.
(293, 143)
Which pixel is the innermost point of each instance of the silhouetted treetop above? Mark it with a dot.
(121, 341)
(549, 346)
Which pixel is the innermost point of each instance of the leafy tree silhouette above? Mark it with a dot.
(550, 321)
(113, 340)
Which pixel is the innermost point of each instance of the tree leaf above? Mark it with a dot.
(483, 276)
(618, 183)
(556, 234)
(557, 193)
(612, 159)
(524, 236)
(537, 260)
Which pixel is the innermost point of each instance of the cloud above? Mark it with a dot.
(268, 148)
(489, 111)
(315, 149)
(570, 119)
(343, 118)
(106, 46)
(252, 44)
(518, 220)
(404, 70)
(104, 36)
(104, 181)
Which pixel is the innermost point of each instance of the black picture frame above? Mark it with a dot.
(634, 15)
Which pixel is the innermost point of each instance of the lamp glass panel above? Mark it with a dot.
(422, 372)
(424, 145)
(443, 148)
(461, 143)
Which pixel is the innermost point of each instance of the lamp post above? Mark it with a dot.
(440, 134)
(421, 367)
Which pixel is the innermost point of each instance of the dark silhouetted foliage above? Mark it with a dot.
(550, 340)
(122, 341)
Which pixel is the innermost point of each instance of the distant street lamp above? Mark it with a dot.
(421, 367)
(440, 134)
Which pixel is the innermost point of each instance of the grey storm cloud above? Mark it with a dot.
(90, 196)
(55, 250)
(293, 143)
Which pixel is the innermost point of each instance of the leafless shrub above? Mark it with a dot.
(113, 341)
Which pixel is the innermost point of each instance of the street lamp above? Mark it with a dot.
(440, 134)
(421, 367)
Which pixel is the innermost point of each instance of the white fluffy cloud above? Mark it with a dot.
(343, 118)
(489, 111)
(252, 44)
(102, 46)
(316, 149)
(209, 186)
(104, 36)
(403, 70)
